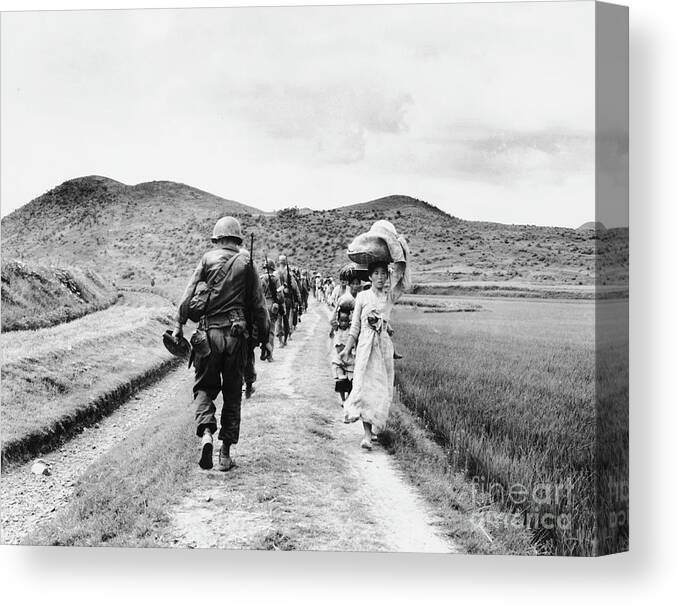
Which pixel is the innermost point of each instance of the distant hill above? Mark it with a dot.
(592, 225)
(154, 233)
(395, 202)
(35, 297)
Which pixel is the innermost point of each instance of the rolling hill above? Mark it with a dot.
(154, 233)
(37, 297)
(405, 204)
(595, 225)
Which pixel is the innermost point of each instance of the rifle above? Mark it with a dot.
(249, 293)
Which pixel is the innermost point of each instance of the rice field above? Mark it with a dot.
(511, 391)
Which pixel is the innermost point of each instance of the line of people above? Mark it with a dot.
(285, 290)
(238, 309)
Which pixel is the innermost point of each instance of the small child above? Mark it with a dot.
(343, 368)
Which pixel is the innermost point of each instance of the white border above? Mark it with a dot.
(111, 576)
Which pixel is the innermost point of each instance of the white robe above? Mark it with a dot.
(372, 394)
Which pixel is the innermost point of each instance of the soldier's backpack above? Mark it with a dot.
(197, 306)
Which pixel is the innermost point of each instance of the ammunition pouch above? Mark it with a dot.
(237, 332)
(200, 346)
(239, 328)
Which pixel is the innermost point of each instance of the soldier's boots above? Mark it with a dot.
(249, 390)
(206, 448)
(225, 460)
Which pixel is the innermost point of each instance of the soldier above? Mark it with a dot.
(234, 290)
(273, 293)
(299, 301)
(305, 284)
(290, 296)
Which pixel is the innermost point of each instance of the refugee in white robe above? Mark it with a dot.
(373, 376)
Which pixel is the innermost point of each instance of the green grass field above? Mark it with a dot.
(510, 390)
(52, 376)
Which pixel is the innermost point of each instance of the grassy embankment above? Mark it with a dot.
(519, 290)
(510, 392)
(56, 379)
(36, 297)
(441, 305)
(123, 499)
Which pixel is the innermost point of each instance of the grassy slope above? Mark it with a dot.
(511, 392)
(158, 231)
(53, 376)
(36, 297)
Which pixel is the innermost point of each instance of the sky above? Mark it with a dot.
(485, 110)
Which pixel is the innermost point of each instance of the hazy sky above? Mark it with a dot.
(486, 110)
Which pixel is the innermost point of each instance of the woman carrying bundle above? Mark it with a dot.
(373, 375)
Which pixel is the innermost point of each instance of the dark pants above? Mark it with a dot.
(250, 370)
(283, 329)
(292, 316)
(273, 317)
(222, 370)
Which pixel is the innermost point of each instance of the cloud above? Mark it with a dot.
(486, 103)
(502, 156)
(334, 121)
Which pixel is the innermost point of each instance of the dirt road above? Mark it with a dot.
(28, 500)
(301, 481)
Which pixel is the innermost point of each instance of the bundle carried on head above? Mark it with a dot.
(346, 303)
(351, 271)
(382, 244)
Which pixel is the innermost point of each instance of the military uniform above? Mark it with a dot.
(291, 296)
(222, 370)
(270, 286)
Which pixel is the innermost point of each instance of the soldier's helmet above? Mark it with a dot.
(227, 227)
(268, 265)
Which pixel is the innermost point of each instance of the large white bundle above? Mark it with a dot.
(382, 244)
(369, 248)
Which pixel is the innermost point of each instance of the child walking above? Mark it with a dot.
(350, 275)
(342, 368)
(372, 393)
